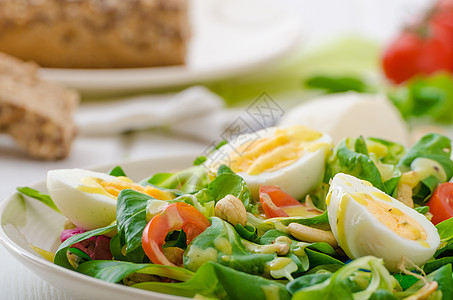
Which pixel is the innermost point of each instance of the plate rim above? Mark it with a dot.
(22, 255)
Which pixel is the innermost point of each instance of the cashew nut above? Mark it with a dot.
(232, 210)
(174, 255)
(311, 235)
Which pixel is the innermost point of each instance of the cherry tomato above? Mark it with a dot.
(441, 203)
(444, 5)
(422, 50)
(272, 199)
(443, 20)
(175, 217)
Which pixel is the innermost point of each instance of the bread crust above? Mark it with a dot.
(95, 33)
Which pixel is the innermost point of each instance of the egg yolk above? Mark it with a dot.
(395, 220)
(112, 188)
(272, 153)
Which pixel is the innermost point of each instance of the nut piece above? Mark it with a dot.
(312, 235)
(232, 210)
(404, 194)
(174, 255)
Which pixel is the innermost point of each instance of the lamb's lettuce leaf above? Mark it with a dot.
(117, 172)
(431, 146)
(35, 194)
(115, 271)
(369, 159)
(221, 243)
(445, 230)
(212, 280)
(336, 84)
(189, 180)
(346, 283)
(227, 183)
(425, 97)
(131, 218)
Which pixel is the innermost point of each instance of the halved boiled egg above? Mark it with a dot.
(291, 158)
(366, 221)
(88, 199)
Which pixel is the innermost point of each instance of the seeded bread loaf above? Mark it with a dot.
(37, 114)
(95, 33)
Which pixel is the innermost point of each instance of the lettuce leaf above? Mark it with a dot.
(372, 160)
(35, 194)
(213, 280)
(189, 180)
(431, 146)
(428, 97)
(342, 284)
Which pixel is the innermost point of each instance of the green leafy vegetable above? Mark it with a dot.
(331, 84)
(35, 194)
(117, 172)
(443, 276)
(422, 209)
(217, 281)
(80, 253)
(445, 230)
(137, 256)
(429, 97)
(307, 281)
(383, 295)
(61, 257)
(227, 183)
(345, 283)
(131, 218)
(199, 160)
(115, 271)
(431, 146)
(405, 280)
(372, 160)
(189, 180)
(221, 243)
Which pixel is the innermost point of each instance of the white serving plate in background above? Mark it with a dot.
(230, 38)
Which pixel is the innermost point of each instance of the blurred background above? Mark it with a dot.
(245, 65)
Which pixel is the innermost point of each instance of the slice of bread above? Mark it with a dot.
(36, 113)
(95, 33)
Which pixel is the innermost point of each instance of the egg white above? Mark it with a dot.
(360, 233)
(296, 179)
(86, 210)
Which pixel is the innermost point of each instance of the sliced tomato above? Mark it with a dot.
(176, 216)
(272, 198)
(441, 203)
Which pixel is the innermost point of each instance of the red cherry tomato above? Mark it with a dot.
(443, 20)
(445, 5)
(414, 52)
(175, 217)
(441, 203)
(272, 199)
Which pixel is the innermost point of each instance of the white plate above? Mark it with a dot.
(230, 37)
(25, 222)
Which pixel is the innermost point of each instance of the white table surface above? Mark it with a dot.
(323, 19)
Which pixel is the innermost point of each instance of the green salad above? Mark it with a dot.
(278, 214)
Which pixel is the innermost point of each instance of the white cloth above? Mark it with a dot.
(195, 112)
(147, 111)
